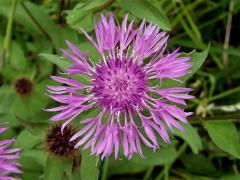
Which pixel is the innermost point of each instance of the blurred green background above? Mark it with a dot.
(32, 30)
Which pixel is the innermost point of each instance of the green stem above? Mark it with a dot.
(227, 34)
(224, 94)
(189, 176)
(105, 170)
(148, 173)
(8, 34)
(182, 175)
(190, 21)
(230, 117)
(165, 171)
(160, 175)
(45, 33)
(235, 168)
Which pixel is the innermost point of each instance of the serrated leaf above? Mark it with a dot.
(144, 9)
(197, 59)
(225, 136)
(191, 136)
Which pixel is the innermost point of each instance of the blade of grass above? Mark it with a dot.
(225, 58)
(185, 12)
(212, 81)
(192, 34)
(165, 171)
(180, 13)
(148, 173)
(213, 20)
(8, 35)
(224, 94)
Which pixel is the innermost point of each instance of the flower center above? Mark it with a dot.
(119, 85)
(23, 86)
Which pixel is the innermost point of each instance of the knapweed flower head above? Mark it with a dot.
(8, 156)
(133, 112)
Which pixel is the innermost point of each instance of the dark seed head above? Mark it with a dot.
(58, 143)
(23, 86)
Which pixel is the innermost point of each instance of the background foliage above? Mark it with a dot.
(30, 31)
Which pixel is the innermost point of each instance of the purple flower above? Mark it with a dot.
(8, 158)
(133, 112)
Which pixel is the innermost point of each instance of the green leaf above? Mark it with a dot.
(4, 7)
(144, 9)
(30, 175)
(89, 166)
(230, 177)
(39, 156)
(6, 99)
(10, 119)
(37, 127)
(54, 169)
(80, 19)
(27, 140)
(225, 136)
(191, 136)
(32, 163)
(11, 132)
(53, 34)
(125, 167)
(68, 167)
(82, 16)
(61, 63)
(93, 53)
(20, 17)
(161, 156)
(17, 58)
(198, 164)
(197, 59)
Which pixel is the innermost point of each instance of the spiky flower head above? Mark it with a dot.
(8, 156)
(133, 112)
